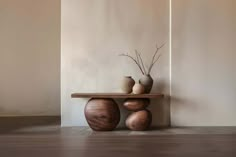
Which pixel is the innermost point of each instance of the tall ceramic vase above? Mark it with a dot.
(147, 82)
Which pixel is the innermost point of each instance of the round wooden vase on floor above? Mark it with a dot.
(102, 114)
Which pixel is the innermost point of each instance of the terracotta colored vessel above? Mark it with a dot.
(147, 82)
(139, 121)
(136, 104)
(127, 84)
(138, 89)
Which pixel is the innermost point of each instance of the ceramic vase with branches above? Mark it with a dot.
(146, 80)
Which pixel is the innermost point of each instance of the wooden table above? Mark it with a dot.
(102, 112)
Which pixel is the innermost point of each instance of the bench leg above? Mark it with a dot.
(140, 119)
(102, 114)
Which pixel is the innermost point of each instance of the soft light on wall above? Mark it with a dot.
(94, 33)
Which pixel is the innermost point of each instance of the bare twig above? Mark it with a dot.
(150, 68)
(136, 54)
(136, 62)
(162, 45)
(141, 60)
(153, 58)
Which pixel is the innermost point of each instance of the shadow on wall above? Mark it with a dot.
(123, 112)
(181, 103)
(160, 108)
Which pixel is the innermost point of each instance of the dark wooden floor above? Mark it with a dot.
(49, 140)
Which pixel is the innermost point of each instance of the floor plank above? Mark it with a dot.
(54, 141)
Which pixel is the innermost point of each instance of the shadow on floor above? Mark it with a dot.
(27, 124)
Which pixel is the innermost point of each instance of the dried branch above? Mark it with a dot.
(136, 62)
(141, 60)
(150, 68)
(154, 56)
(157, 49)
(136, 54)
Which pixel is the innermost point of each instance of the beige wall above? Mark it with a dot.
(29, 57)
(203, 67)
(94, 32)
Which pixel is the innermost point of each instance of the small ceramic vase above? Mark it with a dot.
(147, 82)
(138, 89)
(127, 84)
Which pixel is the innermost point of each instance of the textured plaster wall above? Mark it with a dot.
(29, 57)
(203, 67)
(94, 33)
